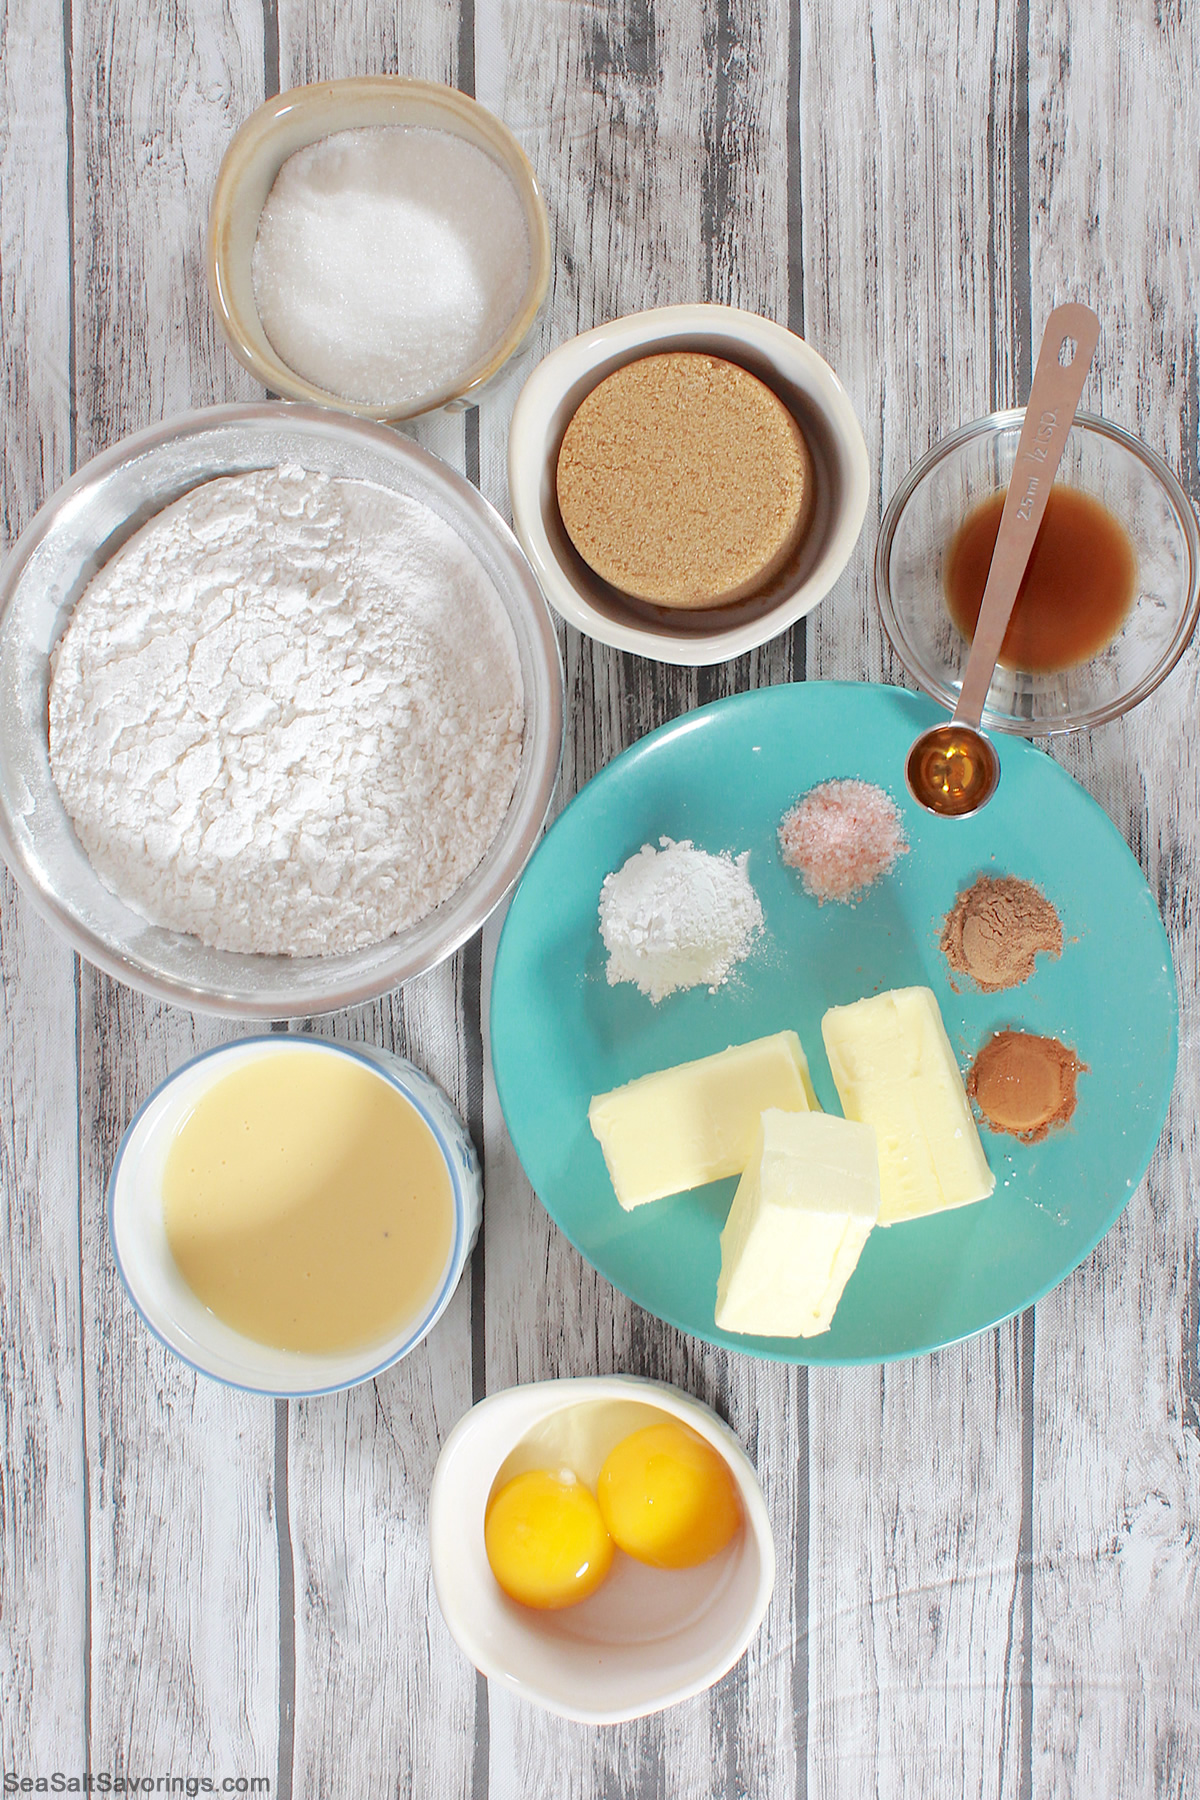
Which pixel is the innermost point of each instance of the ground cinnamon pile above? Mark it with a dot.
(996, 929)
(1025, 1085)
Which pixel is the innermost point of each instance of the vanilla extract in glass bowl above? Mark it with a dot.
(1076, 591)
(944, 498)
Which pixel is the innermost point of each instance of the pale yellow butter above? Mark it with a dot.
(682, 1127)
(803, 1211)
(895, 1070)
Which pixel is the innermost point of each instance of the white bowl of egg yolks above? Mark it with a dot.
(291, 1215)
(645, 1637)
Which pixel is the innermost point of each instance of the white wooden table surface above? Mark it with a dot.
(988, 1558)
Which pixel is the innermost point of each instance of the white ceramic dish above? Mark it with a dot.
(802, 380)
(73, 535)
(291, 121)
(658, 1638)
(167, 1304)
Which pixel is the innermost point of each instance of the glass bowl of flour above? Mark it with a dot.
(282, 710)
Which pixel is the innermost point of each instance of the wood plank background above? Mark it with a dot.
(989, 1578)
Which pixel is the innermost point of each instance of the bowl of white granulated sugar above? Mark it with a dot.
(282, 710)
(377, 244)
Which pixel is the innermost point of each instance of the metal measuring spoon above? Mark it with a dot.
(953, 769)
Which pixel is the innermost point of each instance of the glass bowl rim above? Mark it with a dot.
(945, 693)
(464, 912)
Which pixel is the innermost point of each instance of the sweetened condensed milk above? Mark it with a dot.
(307, 1203)
(1077, 589)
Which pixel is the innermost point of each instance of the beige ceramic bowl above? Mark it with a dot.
(809, 389)
(304, 115)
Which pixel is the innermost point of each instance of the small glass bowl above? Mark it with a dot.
(1116, 469)
(289, 122)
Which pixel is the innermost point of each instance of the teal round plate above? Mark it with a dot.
(723, 776)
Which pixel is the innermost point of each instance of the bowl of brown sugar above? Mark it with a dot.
(1110, 598)
(687, 482)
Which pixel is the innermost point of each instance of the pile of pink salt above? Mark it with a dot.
(842, 836)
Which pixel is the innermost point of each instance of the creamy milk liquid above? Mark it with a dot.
(307, 1204)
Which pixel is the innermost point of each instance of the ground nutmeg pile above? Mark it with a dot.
(996, 929)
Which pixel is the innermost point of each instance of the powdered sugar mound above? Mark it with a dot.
(842, 836)
(677, 917)
(287, 716)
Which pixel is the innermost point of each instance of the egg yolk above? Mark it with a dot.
(668, 1497)
(545, 1540)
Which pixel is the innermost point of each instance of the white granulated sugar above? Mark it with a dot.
(287, 716)
(389, 262)
(677, 917)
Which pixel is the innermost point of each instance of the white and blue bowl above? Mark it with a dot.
(177, 1317)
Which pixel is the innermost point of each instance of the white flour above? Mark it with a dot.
(287, 716)
(677, 918)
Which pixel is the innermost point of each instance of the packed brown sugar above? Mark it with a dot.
(684, 481)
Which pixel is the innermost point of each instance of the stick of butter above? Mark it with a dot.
(894, 1069)
(681, 1127)
(801, 1215)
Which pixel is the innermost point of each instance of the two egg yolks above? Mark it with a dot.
(664, 1496)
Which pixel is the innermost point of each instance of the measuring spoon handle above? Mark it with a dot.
(1049, 415)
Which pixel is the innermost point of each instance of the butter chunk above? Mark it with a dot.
(895, 1070)
(682, 1127)
(803, 1211)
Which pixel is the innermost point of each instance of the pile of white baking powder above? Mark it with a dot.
(677, 917)
(287, 716)
(389, 262)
